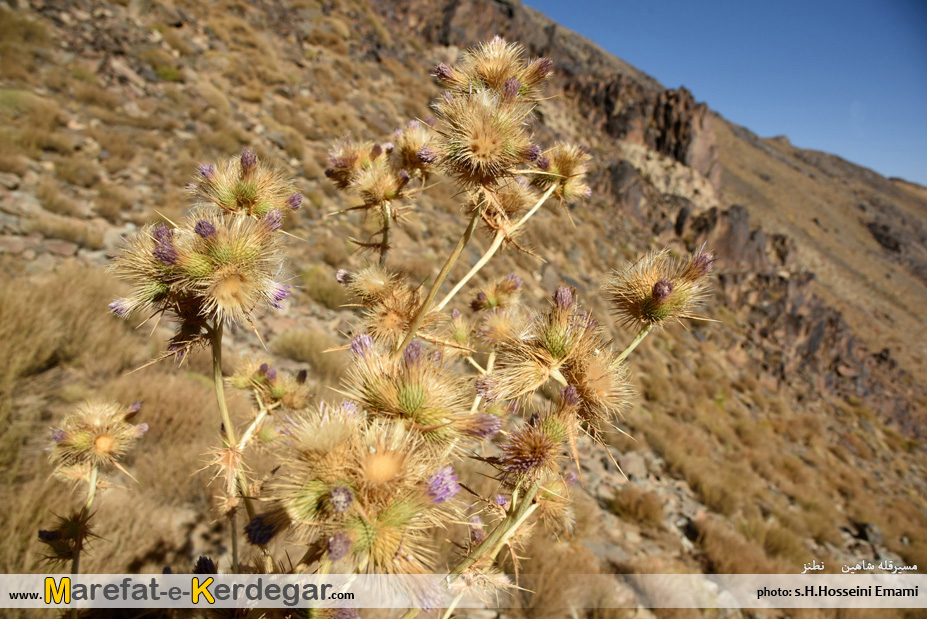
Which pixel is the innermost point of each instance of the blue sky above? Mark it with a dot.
(848, 78)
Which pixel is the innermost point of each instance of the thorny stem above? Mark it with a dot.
(384, 242)
(420, 315)
(500, 237)
(85, 510)
(228, 438)
(637, 340)
(503, 532)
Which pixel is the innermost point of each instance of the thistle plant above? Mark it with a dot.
(217, 267)
(364, 480)
(90, 441)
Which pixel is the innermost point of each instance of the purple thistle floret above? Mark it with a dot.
(120, 307)
(273, 220)
(162, 232)
(477, 534)
(134, 409)
(301, 377)
(486, 388)
(568, 396)
(165, 252)
(376, 151)
(205, 565)
(271, 374)
(662, 290)
(510, 89)
(204, 229)
(703, 263)
(443, 72)
(58, 435)
(261, 530)
(361, 345)
(455, 314)
(512, 282)
(543, 163)
(141, 429)
(339, 545)
(281, 293)
(532, 153)
(413, 124)
(430, 121)
(404, 178)
(542, 66)
(587, 192)
(348, 408)
(413, 354)
(248, 160)
(443, 485)
(294, 201)
(207, 171)
(501, 500)
(388, 147)
(563, 298)
(263, 369)
(571, 478)
(342, 276)
(340, 499)
(485, 426)
(427, 155)
(48, 537)
(344, 613)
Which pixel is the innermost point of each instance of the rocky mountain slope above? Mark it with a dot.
(790, 429)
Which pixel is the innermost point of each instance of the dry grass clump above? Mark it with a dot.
(49, 194)
(83, 233)
(319, 284)
(308, 346)
(727, 552)
(20, 40)
(638, 505)
(115, 202)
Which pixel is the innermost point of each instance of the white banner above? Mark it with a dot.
(901, 590)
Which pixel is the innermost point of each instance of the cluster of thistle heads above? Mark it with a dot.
(365, 481)
(222, 263)
(88, 444)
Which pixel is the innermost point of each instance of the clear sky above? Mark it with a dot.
(848, 77)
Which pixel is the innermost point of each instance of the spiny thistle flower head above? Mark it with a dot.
(481, 137)
(243, 185)
(67, 534)
(413, 149)
(378, 182)
(659, 288)
(599, 380)
(270, 386)
(496, 65)
(372, 510)
(346, 159)
(498, 325)
(417, 389)
(529, 454)
(95, 434)
(501, 293)
(563, 167)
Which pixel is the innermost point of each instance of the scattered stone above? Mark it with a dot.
(10, 181)
(633, 465)
(60, 247)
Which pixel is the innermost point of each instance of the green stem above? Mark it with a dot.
(637, 340)
(420, 315)
(219, 384)
(501, 235)
(502, 533)
(84, 512)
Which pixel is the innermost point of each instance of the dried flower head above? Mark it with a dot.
(243, 185)
(482, 138)
(95, 434)
(563, 167)
(658, 288)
